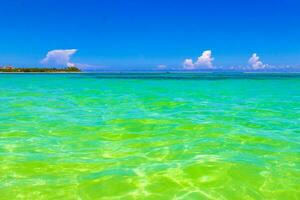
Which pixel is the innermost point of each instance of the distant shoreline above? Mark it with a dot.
(41, 72)
(12, 69)
(145, 72)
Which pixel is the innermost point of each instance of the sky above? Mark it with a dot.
(152, 34)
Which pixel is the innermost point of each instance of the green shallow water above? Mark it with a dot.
(150, 136)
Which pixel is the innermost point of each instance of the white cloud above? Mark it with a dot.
(161, 67)
(203, 62)
(59, 57)
(188, 64)
(255, 62)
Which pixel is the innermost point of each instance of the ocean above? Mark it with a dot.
(150, 136)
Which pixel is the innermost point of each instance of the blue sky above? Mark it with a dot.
(137, 34)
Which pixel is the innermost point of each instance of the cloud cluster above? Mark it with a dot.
(203, 62)
(255, 62)
(62, 57)
(59, 57)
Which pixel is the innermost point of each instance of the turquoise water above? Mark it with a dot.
(150, 136)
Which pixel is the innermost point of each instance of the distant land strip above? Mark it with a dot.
(11, 69)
